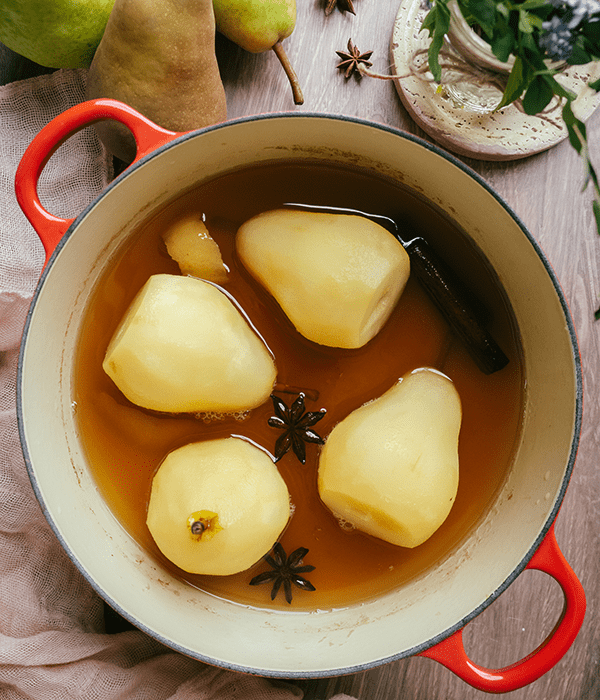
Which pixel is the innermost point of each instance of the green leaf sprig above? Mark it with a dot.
(536, 33)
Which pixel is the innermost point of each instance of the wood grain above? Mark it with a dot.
(545, 191)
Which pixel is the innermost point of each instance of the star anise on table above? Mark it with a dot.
(285, 571)
(296, 425)
(343, 5)
(352, 58)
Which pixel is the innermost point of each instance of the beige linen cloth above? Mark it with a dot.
(52, 640)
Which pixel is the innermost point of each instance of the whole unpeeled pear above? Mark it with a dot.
(54, 33)
(158, 56)
(337, 277)
(184, 347)
(390, 468)
(260, 25)
(217, 507)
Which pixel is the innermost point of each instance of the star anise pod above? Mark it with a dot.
(296, 425)
(285, 570)
(352, 58)
(343, 5)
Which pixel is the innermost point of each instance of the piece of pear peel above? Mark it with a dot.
(231, 485)
(184, 347)
(391, 468)
(337, 277)
(193, 248)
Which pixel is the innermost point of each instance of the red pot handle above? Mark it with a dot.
(451, 652)
(50, 228)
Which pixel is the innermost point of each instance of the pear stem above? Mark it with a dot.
(289, 71)
(198, 527)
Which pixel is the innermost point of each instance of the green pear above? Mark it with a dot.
(390, 468)
(217, 507)
(158, 56)
(184, 347)
(54, 33)
(337, 277)
(260, 25)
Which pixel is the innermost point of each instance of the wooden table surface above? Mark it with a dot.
(545, 192)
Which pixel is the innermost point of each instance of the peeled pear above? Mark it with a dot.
(193, 248)
(158, 56)
(217, 507)
(260, 25)
(184, 347)
(390, 468)
(337, 277)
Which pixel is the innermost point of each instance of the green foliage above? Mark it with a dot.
(535, 32)
(538, 95)
(437, 23)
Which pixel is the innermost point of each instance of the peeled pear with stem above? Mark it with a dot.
(337, 277)
(391, 468)
(184, 347)
(218, 506)
(258, 26)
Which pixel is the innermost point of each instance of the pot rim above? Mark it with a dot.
(517, 570)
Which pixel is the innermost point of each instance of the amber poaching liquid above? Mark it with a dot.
(125, 444)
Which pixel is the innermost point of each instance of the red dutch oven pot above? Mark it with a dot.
(426, 616)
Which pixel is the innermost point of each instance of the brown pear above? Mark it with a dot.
(158, 56)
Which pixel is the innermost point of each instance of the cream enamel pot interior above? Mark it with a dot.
(427, 615)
